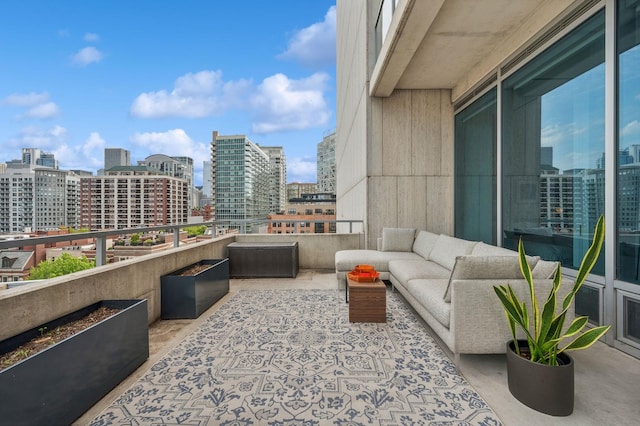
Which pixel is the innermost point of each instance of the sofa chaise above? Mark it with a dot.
(449, 282)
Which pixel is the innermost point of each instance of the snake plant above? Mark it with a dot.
(544, 328)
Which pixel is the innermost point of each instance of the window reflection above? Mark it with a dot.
(553, 148)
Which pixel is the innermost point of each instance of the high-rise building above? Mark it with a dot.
(132, 196)
(241, 177)
(297, 189)
(30, 156)
(38, 199)
(207, 172)
(116, 157)
(48, 159)
(326, 169)
(180, 167)
(278, 184)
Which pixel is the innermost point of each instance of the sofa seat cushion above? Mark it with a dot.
(447, 248)
(404, 270)
(346, 260)
(429, 293)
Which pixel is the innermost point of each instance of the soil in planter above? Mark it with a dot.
(192, 270)
(49, 337)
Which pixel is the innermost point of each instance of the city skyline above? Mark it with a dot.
(155, 79)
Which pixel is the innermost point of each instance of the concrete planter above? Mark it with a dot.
(188, 296)
(60, 383)
(545, 388)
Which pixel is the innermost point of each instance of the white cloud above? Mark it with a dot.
(282, 104)
(45, 139)
(87, 55)
(174, 142)
(26, 99)
(631, 129)
(91, 37)
(301, 170)
(315, 45)
(88, 155)
(43, 111)
(194, 95)
(555, 134)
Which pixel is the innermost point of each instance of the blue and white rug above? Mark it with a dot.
(291, 357)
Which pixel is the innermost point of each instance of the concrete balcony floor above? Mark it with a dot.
(607, 381)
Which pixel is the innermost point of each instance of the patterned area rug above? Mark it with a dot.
(291, 357)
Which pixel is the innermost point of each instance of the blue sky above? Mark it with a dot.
(157, 77)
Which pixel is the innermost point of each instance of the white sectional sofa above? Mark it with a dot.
(449, 282)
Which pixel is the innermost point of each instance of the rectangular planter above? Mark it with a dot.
(60, 383)
(189, 296)
(263, 260)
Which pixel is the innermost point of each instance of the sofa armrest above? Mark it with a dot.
(478, 321)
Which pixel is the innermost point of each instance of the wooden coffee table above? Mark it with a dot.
(367, 301)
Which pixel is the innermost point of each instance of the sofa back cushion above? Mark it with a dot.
(484, 249)
(424, 243)
(486, 267)
(545, 269)
(447, 248)
(397, 239)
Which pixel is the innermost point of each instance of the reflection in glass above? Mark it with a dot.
(475, 170)
(553, 148)
(628, 204)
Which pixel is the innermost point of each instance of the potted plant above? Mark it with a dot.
(539, 370)
(188, 292)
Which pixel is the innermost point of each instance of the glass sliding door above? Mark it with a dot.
(553, 148)
(628, 173)
(475, 170)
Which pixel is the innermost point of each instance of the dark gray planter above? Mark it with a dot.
(57, 385)
(189, 296)
(547, 389)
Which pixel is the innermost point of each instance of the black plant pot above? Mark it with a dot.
(57, 385)
(190, 295)
(545, 388)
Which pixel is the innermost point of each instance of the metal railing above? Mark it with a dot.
(102, 236)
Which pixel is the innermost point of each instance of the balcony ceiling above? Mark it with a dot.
(434, 44)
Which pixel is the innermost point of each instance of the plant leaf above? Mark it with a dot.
(587, 338)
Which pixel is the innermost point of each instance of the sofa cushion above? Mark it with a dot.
(428, 293)
(424, 243)
(545, 269)
(398, 239)
(405, 270)
(346, 260)
(484, 249)
(486, 267)
(447, 248)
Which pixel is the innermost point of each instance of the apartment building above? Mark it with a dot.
(326, 164)
(132, 196)
(278, 184)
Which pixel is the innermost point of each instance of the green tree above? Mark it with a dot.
(62, 265)
(192, 231)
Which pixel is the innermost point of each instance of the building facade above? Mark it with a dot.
(326, 169)
(179, 167)
(133, 196)
(278, 184)
(297, 189)
(114, 157)
(38, 199)
(309, 214)
(447, 113)
(241, 179)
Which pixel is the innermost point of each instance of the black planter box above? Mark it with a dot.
(189, 296)
(57, 385)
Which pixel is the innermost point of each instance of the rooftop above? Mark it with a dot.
(607, 380)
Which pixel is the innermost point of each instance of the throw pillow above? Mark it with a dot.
(397, 239)
(486, 268)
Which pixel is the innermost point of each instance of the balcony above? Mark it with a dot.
(607, 380)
